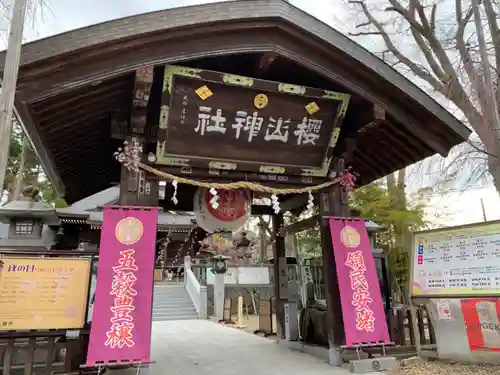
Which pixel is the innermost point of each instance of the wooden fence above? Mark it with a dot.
(402, 329)
(41, 352)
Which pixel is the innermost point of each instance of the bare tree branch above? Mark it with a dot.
(452, 55)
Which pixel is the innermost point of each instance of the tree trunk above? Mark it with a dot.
(494, 169)
(20, 173)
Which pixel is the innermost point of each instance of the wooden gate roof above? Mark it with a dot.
(70, 84)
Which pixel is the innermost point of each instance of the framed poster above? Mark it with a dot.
(456, 262)
(43, 293)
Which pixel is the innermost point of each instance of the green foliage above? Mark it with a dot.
(399, 216)
(308, 241)
(32, 172)
(387, 205)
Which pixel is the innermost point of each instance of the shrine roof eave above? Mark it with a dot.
(83, 57)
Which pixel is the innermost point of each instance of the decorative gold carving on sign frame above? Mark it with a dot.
(312, 108)
(317, 172)
(271, 169)
(176, 161)
(233, 79)
(335, 137)
(291, 89)
(163, 117)
(260, 101)
(172, 70)
(223, 166)
(204, 92)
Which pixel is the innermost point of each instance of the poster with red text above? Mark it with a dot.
(362, 308)
(121, 324)
(482, 323)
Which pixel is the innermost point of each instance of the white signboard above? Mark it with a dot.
(457, 261)
(230, 277)
(253, 275)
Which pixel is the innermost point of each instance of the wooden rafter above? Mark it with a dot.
(266, 61)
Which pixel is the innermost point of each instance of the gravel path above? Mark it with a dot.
(443, 368)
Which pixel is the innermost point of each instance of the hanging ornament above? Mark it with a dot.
(174, 196)
(310, 202)
(276, 203)
(348, 180)
(130, 155)
(214, 201)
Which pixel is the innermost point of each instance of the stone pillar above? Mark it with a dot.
(219, 295)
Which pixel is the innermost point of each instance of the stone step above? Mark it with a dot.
(174, 310)
(172, 302)
(166, 304)
(173, 295)
(171, 318)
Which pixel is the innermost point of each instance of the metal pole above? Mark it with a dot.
(484, 210)
(8, 90)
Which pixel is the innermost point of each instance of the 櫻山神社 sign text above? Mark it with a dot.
(256, 125)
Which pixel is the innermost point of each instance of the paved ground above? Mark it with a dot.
(207, 348)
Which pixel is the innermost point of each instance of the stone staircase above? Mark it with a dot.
(172, 302)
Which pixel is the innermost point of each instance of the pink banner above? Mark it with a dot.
(362, 308)
(121, 324)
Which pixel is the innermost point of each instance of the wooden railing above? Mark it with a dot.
(402, 329)
(41, 352)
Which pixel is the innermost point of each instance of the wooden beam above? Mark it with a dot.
(90, 116)
(71, 97)
(260, 209)
(296, 201)
(82, 106)
(303, 225)
(266, 61)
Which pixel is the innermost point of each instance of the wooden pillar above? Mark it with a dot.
(137, 188)
(332, 203)
(280, 273)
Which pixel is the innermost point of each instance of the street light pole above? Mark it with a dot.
(8, 89)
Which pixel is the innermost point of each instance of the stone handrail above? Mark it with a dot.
(197, 292)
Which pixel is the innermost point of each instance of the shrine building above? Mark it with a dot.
(254, 92)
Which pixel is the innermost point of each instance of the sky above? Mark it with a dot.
(63, 15)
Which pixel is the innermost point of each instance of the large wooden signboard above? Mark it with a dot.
(218, 121)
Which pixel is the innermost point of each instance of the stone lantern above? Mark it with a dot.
(219, 268)
(219, 264)
(28, 222)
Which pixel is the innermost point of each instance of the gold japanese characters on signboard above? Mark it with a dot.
(43, 293)
(257, 125)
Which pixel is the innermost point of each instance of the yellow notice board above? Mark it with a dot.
(43, 293)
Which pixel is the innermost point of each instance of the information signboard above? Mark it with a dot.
(456, 261)
(43, 293)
